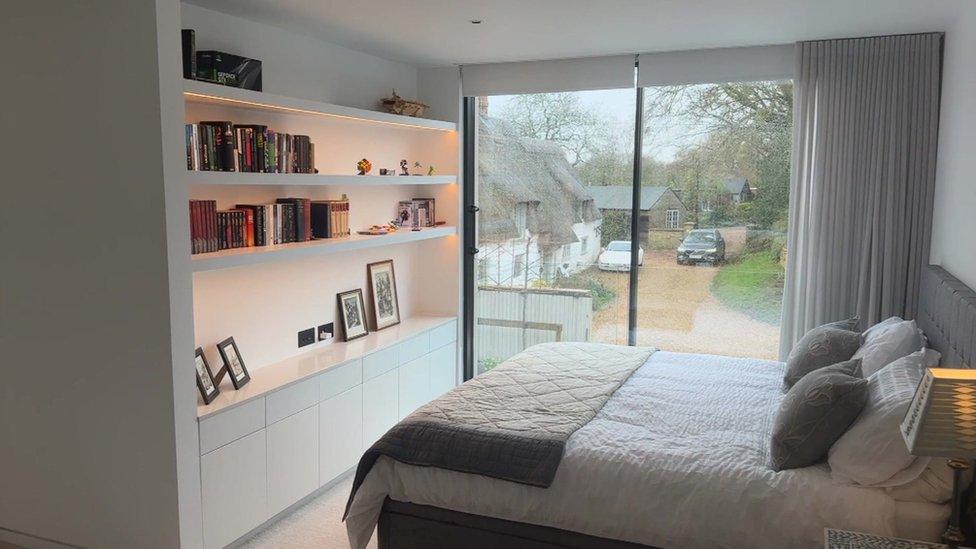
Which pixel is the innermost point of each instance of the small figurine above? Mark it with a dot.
(417, 168)
(364, 166)
(384, 171)
(431, 170)
(403, 167)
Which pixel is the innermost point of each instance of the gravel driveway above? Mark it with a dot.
(676, 311)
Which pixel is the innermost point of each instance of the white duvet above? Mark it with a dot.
(677, 457)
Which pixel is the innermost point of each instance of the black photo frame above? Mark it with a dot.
(352, 314)
(233, 362)
(205, 380)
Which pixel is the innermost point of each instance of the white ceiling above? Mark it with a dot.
(438, 32)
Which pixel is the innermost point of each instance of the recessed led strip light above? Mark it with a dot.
(222, 99)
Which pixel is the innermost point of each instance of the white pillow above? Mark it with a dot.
(934, 485)
(872, 451)
(888, 341)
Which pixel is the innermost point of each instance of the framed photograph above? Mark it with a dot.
(383, 294)
(352, 314)
(426, 211)
(205, 381)
(406, 213)
(233, 362)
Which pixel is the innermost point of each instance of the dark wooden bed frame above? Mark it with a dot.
(947, 315)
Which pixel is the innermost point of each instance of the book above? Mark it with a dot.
(189, 54)
(223, 145)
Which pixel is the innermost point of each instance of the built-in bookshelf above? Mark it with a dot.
(239, 257)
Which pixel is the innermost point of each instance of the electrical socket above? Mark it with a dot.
(326, 331)
(306, 337)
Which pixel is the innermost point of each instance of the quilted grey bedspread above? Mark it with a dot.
(511, 423)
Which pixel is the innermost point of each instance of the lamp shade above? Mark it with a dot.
(941, 420)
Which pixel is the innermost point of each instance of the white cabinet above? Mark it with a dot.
(235, 489)
(413, 385)
(380, 410)
(293, 459)
(340, 433)
(443, 370)
(267, 453)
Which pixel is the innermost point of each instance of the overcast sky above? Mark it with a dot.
(618, 106)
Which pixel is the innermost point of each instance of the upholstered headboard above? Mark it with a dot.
(947, 315)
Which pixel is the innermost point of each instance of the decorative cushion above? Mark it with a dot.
(850, 324)
(888, 341)
(814, 413)
(821, 346)
(872, 452)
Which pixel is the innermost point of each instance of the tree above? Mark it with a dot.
(559, 118)
(727, 130)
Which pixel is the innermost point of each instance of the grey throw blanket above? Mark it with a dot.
(511, 423)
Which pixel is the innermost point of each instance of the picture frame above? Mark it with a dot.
(384, 300)
(205, 381)
(233, 362)
(352, 314)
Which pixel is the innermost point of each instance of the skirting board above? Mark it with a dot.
(321, 490)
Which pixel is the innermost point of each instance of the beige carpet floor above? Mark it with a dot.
(316, 524)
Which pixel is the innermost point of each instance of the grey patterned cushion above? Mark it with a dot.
(850, 324)
(821, 346)
(815, 412)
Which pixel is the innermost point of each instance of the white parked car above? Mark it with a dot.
(616, 257)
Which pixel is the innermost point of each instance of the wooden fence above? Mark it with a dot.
(508, 320)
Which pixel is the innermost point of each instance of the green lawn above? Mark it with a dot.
(753, 285)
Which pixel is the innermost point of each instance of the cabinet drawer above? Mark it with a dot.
(380, 362)
(444, 334)
(293, 459)
(340, 433)
(380, 407)
(340, 379)
(231, 425)
(413, 385)
(443, 370)
(235, 490)
(292, 400)
(413, 348)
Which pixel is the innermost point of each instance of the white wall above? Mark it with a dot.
(88, 446)
(955, 193)
(297, 65)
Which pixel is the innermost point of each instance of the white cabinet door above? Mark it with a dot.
(235, 489)
(380, 411)
(293, 459)
(340, 433)
(443, 370)
(413, 385)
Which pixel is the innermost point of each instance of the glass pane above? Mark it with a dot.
(552, 264)
(715, 189)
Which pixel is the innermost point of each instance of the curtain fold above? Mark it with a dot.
(866, 116)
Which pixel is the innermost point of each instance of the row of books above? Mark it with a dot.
(225, 146)
(284, 221)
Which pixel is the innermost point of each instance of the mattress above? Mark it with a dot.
(677, 457)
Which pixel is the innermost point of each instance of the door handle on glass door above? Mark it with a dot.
(473, 251)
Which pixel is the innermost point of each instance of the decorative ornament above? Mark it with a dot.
(405, 107)
(417, 169)
(403, 167)
(431, 170)
(364, 166)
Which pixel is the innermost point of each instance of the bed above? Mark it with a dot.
(675, 457)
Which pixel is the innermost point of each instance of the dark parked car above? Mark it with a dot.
(702, 245)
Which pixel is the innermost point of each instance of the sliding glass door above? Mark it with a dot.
(567, 241)
(554, 180)
(715, 197)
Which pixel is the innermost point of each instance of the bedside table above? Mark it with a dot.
(844, 539)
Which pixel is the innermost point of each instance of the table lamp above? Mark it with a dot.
(941, 422)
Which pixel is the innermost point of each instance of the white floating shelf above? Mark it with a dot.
(312, 180)
(239, 257)
(196, 91)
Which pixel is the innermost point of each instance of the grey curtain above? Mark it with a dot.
(866, 115)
